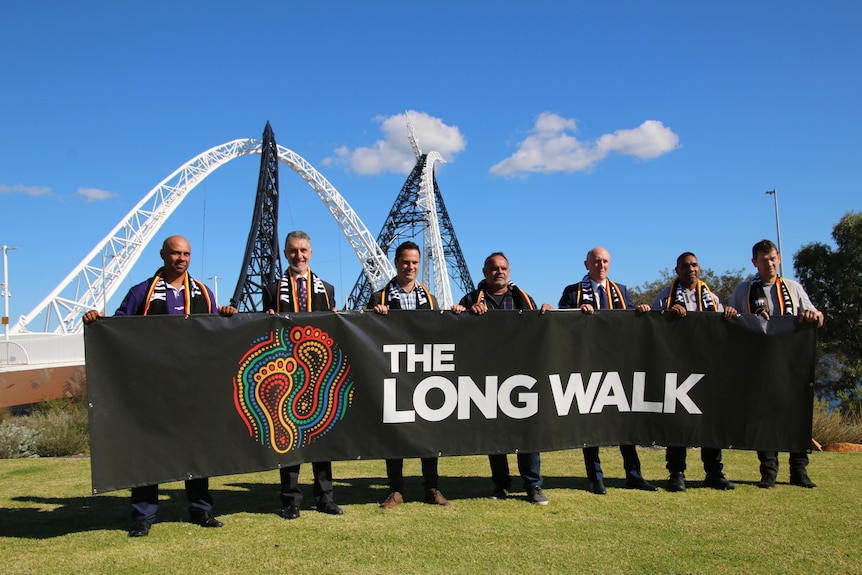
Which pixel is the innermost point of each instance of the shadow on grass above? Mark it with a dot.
(57, 516)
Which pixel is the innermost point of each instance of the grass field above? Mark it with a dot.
(49, 523)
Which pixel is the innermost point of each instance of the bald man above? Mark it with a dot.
(596, 292)
(171, 291)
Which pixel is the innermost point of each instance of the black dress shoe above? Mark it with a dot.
(330, 509)
(676, 483)
(802, 480)
(598, 487)
(290, 512)
(140, 529)
(718, 481)
(640, 484)
(206, 519)
(766, 482)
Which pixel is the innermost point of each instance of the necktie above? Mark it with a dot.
(603, 298)
(301, 294)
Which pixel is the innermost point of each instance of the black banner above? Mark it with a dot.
(175, 397)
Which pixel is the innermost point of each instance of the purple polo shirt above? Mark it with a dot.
(133, 303)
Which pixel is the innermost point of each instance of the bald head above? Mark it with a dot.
(598, 263)
(176, 253)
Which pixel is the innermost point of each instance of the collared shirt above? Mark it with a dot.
(407, 299)
(176, 300)
(597, 289)
(134, 301)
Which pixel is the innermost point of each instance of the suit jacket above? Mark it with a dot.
(270, 297)
(569, 299)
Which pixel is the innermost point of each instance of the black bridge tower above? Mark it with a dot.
(262, 263)
(406, 221)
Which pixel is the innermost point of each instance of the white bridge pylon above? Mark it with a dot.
(96, 279)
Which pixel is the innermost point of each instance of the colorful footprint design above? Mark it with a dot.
(292, 391)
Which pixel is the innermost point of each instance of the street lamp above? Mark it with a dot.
(774, 194)
(6, 291)
(215, 280)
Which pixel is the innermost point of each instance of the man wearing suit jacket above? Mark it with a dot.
(405, 292)
(596, 292)
(302, 291)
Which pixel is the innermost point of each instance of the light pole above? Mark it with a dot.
(6, 291)
(215, 280)
(105, 257)
(774, 194)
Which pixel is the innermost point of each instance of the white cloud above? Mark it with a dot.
(394, 153)
(551, 147)
(649, 140)
(28, 190)
(95, 195)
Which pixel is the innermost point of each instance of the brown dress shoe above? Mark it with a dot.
(434, 497)
(393, 500)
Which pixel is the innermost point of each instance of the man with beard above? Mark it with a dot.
(497, 293)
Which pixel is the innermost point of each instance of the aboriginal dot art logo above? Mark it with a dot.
(290, 391)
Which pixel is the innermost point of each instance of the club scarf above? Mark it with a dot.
(705, 299)
(317, 300)
(519, 297)
(391, 296)
(757, 296)
(586, 295)
(195, 295)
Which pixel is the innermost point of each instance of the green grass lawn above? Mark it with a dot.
(49, 523)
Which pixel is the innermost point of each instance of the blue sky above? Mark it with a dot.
(647, 128)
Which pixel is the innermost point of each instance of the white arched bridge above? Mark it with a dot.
(51, 334)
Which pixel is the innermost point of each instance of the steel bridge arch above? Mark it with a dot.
(432, 238)
(99, 275)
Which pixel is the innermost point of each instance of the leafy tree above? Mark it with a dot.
(721, 284)
(833, 280)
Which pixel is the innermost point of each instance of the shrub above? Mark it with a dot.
(835, 426)
(61, 433)
(16, 440)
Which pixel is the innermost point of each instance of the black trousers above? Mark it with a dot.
(395, 473)
(711, 458)
(769, 463)
(145, 499)
(291, 493)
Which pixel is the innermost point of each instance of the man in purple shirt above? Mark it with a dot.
(170, 291)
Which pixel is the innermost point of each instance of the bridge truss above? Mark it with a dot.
(100, 274)
(419, 211)
(261, 264)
